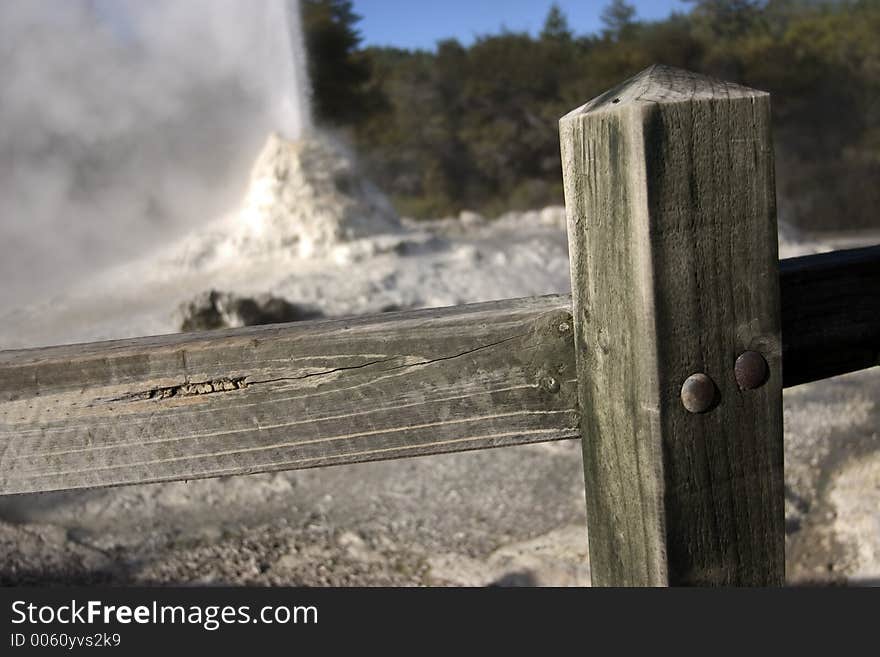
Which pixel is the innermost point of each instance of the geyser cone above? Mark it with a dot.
(306, 195)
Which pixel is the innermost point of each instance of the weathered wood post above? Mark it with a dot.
(669, 189)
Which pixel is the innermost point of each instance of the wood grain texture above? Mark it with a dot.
(287, 396)
(830, 314)
(672, 234)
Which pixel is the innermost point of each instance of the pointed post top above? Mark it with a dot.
(660, 84)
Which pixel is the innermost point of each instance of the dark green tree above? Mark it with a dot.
(475, 126)
(556, 25)
(618, 17)
(727, 18)
(338, 71)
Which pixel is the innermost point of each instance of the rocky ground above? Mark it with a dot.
(832, 474)
(453, 519)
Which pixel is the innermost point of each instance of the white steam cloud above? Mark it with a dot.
(125, 123)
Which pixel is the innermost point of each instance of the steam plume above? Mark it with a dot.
(124, 123)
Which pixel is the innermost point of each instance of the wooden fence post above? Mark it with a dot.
(669, 189)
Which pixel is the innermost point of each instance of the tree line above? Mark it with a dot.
(475, 127)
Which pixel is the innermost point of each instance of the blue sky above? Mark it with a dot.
(420, 23)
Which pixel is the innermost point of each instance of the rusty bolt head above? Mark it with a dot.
(698, 393)
(750, 370)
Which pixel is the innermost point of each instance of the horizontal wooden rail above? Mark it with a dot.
(830, 314)
(287, 396)
(341, 391)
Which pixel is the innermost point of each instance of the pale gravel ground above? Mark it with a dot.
(832, 458)
(506, 516)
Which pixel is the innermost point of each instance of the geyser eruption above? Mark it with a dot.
(126, 123)
(294, 117)
(305, 192)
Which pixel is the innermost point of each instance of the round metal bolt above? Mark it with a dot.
(564, 327)
(698, 393)
(751, 370)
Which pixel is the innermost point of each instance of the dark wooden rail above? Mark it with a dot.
(830, 314)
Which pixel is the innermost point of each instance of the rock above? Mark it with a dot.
(855, 494)
(46, 554)
(213, 309)
(558, 558)
(471, 218)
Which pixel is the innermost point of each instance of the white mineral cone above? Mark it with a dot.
(309, 195)
(304, 197)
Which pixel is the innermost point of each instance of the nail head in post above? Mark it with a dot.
(698, 393)
(751, 370)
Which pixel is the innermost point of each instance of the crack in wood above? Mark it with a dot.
(321, 373)
(186, 389)
(228, 384)
(385, 360)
